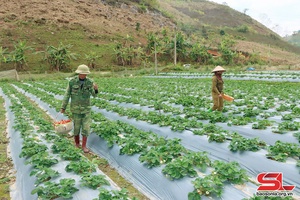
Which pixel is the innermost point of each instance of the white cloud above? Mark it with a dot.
(282, 16)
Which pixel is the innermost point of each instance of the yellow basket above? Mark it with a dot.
(63, 126)
(227, 97)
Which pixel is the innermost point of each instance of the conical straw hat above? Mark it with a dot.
(218, 69)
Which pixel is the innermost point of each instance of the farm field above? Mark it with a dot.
(158, 133)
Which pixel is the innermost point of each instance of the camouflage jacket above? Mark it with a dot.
(80, 95)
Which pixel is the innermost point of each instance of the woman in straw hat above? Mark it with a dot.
(217, 88)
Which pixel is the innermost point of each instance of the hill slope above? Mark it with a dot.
(91, 25)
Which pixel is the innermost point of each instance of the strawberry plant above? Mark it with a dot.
(288, 117)
(30, 148)
(283, 107)
(288, 126)
(217, 137)
(199, 160)
(93, 181)
(262, 124)
(41, 159)
(154, 158)
(282, 150)
(240, 121)
(229, 172)
(296, 110)
(60, 145)
(108, 131)
(297, 135)
(163, 154)
(132, 145)
(43, 174)
(65, 189)
(209, 128)
(71, 153)
(179, 168)
(249, 112)
(208, 186)
(239, 143)
(113, 194)
(215, 117)
(80, 167)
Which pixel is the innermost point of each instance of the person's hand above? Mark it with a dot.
(220, 95)
(95, 86)
(62, 110)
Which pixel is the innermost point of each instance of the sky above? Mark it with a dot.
(281, 16)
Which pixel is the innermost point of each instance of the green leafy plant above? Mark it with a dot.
(17, 56)
(80, 167)
(229, 172)
(31, 148)
(41, 159)
(65, 189)
(179, 168)
(71, 153)
(297, 135)
(59, 57)
(93, 181)
(239, 143)
(207, 186)
(262, 124)
(280, 151)
(132, 146)
(113, 194)
(43, 174)
(163, 154)
(217, 137)
(199, 160)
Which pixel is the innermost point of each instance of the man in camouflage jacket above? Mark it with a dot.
(79, 89)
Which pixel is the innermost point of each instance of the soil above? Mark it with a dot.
(95, 17)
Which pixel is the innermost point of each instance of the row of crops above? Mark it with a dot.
(157, 130)
(48, 166)
(291, 76)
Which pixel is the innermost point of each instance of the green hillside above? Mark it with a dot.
(111, 35)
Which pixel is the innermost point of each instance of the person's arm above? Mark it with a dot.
(94, 90)
(66, 98)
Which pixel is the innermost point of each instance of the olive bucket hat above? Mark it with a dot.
(83, 69)
(218, 69)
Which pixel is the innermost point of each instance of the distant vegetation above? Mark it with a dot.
(294, 39)
(127, 52)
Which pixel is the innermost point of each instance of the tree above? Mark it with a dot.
(91, 59)
(3, 52)
(225, 49)
(199, 54)
(17, 56)
(59, 57)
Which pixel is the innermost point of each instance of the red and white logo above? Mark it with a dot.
(272, 181)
